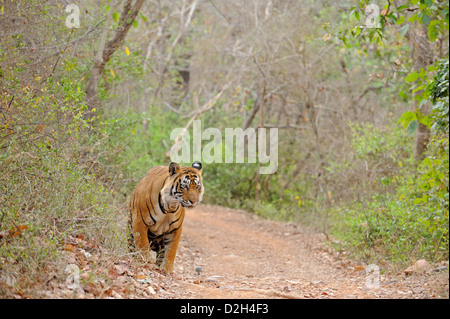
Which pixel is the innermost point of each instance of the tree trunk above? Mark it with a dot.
(422, 58)
(261, 125)
(128, 15)
(92, 86)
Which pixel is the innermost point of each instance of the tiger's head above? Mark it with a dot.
(186, 184)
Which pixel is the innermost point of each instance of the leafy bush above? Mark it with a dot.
(48, 191)
(412, 221)
(387, 228)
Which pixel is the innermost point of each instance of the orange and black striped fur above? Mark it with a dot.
(157, 209)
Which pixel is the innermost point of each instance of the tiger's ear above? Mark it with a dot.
(174, 168)
(197, 165)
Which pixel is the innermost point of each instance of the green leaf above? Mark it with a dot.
(431, 68)
(426, 120)
(413, 18)
(135, 23)
(385, 180)
(412, 127)
(400, 20)
(426, 19)
(406, 118)
(116, 16)
(412, 77)
(404, 29)
(402, 7)
(427, 161)
(421, 87)
(432, 30)
(422, 103)
(344, 40)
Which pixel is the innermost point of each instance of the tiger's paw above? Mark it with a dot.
(167, 269)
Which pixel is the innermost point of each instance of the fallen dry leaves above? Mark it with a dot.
(234, 265)
(92, 273)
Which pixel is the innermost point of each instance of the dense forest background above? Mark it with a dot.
(359, 94)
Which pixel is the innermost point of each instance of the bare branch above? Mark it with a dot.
(206, 107)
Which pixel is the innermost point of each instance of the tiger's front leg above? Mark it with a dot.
(171, 251)
(159, 248)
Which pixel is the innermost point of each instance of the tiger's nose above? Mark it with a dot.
(192, 202)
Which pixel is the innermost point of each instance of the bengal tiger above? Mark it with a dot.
(157, 209)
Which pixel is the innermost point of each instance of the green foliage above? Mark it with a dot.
(432, 90)
(391, 229)
(439, 89)
(63, 175)
(372, 143)
(126, 64)
(432, 184)
(435, 16)
(408, 219)
(412, 221)
(47, 190)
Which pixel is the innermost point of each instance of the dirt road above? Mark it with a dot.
(241, 256)
(244, 256)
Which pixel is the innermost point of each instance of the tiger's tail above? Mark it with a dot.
(131, 246)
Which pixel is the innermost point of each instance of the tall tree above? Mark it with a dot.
(425, 25)
(423, 56)
(129, 13)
